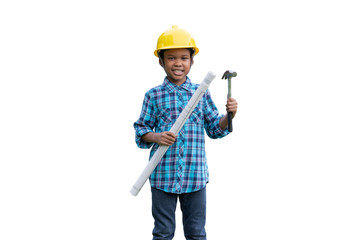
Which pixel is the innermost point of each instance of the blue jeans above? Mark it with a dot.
(193, 207)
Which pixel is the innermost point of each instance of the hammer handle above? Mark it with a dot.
(230, 127)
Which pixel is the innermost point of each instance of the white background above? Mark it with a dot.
(73, 76)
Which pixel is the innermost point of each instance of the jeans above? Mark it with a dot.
(193, 207)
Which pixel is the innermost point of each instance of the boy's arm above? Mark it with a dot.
(144, 135)
(231, 106)
(146, 122)
(223, 123)
(164, 138)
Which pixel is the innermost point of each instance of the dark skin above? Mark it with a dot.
(177, 64)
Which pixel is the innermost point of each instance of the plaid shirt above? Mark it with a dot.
(183, 168)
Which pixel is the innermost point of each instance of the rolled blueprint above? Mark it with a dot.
(179, 123)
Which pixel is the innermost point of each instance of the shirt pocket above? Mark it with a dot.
(164, 118)
(196, 116)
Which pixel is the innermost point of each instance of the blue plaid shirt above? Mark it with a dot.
(183, 168)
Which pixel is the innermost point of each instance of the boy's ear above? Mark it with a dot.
(161, 62)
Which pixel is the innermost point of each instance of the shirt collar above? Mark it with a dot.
(172, 86)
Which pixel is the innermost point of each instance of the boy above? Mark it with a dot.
(182, 173)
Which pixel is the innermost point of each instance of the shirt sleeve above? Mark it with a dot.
(145, 123)
(212, 119)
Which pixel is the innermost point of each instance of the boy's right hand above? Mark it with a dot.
(165, 138)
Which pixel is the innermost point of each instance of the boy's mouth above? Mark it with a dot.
(178, 72)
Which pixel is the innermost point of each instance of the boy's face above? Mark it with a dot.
(177, 64)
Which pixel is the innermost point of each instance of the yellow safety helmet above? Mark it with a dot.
(175, 38)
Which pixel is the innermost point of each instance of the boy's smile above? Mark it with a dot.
(177, 64)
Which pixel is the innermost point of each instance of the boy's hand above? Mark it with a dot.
(165, 138)
(231, 106)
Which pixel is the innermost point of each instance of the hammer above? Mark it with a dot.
(228, 75)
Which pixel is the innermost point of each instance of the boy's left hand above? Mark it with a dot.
(231, 106)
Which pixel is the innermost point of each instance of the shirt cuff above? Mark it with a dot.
(219, 132)
(140, 143)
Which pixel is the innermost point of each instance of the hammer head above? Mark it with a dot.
(229, 74)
